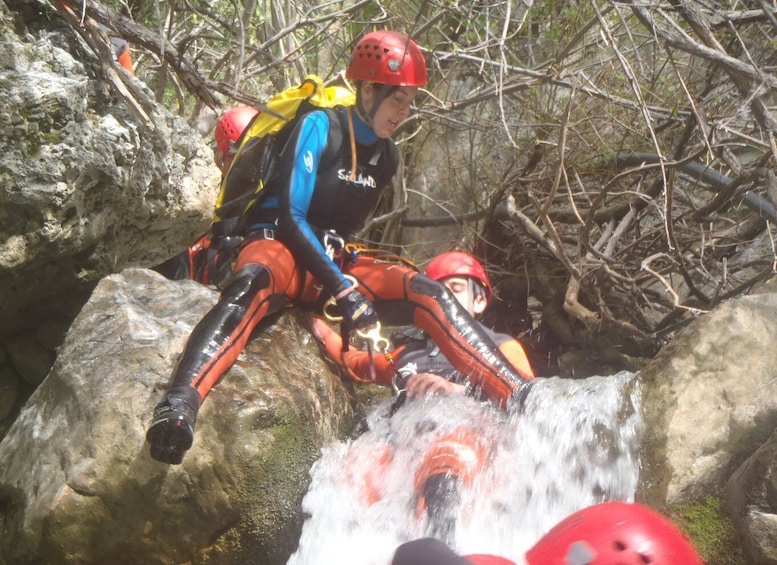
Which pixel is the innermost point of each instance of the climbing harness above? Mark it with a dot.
(341, 252)
(376, 342)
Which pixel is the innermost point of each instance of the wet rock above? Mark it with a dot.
(752, 499)
(76, 465)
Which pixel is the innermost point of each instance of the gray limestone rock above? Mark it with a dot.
(752, 499)
(710, 399)
(78, 485)
(85, 189)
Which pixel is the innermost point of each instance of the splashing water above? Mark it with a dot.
(575, 444)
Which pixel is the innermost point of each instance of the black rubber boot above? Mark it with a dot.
(171, 432)
(442, 495)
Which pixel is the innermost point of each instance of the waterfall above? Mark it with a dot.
(574, 444)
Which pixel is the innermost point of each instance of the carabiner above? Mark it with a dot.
(398, 384)
(333, 243)
(332, 303)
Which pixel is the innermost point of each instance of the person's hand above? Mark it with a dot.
(319, 328)
(427, 383)
(357, 311)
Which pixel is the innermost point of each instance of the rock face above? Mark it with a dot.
(710, 409)
(86, 194)
(752, 499)
(77, 483)
(711, 395)
(85, 190)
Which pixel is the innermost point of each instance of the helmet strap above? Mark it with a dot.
(362, 112)
(476, 290)
(471, 293)
(382, 92)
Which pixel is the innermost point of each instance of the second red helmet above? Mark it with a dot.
(231, 125)
(458, 264)
(387, 57)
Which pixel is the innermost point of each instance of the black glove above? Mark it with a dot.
(357, 311)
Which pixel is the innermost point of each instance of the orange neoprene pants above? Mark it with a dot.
(267, 278)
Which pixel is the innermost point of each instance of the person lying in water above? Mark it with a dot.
(455, 457)
(418, 365)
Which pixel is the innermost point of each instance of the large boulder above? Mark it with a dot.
(77, 484)
(710, 399)
(86, 188)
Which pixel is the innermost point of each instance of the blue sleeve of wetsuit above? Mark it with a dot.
(309, 142)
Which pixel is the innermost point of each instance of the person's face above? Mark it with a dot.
(393, 110)
(461, 287)
(223, 160)
(226, 161)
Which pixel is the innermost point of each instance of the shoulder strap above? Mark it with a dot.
(335, 140)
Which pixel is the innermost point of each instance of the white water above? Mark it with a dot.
(574, 445)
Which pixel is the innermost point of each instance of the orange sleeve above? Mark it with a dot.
(125, 60)
(514, 353)
(357, 362)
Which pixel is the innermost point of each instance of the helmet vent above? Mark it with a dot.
(621, 546)
(373, 56)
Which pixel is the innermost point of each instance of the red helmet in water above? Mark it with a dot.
(458, 264)
(387, 57)
(614, 532)
(231, 126)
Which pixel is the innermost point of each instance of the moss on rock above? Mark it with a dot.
(711, 530)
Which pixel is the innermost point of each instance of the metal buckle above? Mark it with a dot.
(268, 233)
(333, 242)
(398, 387)
(373, 337)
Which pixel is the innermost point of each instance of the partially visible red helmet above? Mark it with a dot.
(458, 264)
(231, 125)
(480, 559)
(614, 532)
(387, 57)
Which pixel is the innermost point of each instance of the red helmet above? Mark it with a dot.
(387, 57)
(614, 532)
(458, 263)
(231, 126)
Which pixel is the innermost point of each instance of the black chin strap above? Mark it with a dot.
(383, 92)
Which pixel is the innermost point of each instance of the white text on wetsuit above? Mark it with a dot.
(368, 181)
